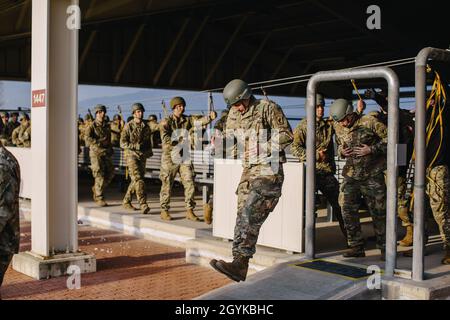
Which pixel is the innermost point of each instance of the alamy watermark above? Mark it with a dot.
(374, 20)
(73, 21)
(74, 279)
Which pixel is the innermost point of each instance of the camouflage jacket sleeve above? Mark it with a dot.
(15, 136)
(114, 128)
(298, 147)
(221, 123)
(282, 136)
(125, 138)
(166, 132)
(89, 136)
(9, 191)
(154, 127)
(204, 120)
(379, 148)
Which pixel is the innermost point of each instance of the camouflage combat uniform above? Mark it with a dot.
(326, 182)
(136, 142)
(406, 136)
(363, 176)
(9, 213)
(437, 173)
(260, 186)
(98, 139)
(156, 136)
(21, 136)
(171, 163)
(6, 133)
(116, 130)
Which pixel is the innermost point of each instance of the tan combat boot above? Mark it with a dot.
(190, 215)
(145, 209)
(446, 259)
(236, 270)
(355, 252)
(165, 215)
(407, 241)
(128, 206)
(207, 213)
(101, 202)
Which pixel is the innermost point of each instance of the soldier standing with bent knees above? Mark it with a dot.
(260, 187)
(362, 141)
(325, 166)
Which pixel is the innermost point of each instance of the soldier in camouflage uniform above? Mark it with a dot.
(98, 139)
(136, 142)
(9, 213)
(156, 137)
(6, 129)
(362, 141)
(82, 127)
(116, 126)
(173, 162)
(406, 136)
(326, 182)
(15, 122)
(21, 136)
(262, 178)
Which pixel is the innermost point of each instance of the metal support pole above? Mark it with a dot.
(391, 202)
(420, 150)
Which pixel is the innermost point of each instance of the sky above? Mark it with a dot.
(15, 94)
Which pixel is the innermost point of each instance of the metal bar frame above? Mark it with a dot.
(420, 149)
(391, 202)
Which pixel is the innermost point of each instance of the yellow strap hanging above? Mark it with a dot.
(356, 89)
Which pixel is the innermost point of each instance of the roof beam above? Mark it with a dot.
(130, 51)
(22, 14)
(224, 51)
(255, 55)
(189, 49)
(282, 62)
(170, 51)
(87, 47)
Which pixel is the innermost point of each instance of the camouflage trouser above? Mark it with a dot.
(438, 191)
(4, 263)
(373, 190)
(168, 173)
(102, 171)
(329, 186)
(136, 171)
(402, 203)
(257, 197)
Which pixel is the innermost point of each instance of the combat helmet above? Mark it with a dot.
(320, 101)
(340, 109)
(235, 91)
(176, 101)
(137, 106)
(99, 107)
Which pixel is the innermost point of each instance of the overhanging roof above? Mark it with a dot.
(201, 44)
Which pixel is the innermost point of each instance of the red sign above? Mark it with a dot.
(38, 98)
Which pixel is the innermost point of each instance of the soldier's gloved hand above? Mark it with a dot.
(213, 115)
(362, 151)
(369, 94)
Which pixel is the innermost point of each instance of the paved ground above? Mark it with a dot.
(127, 268)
